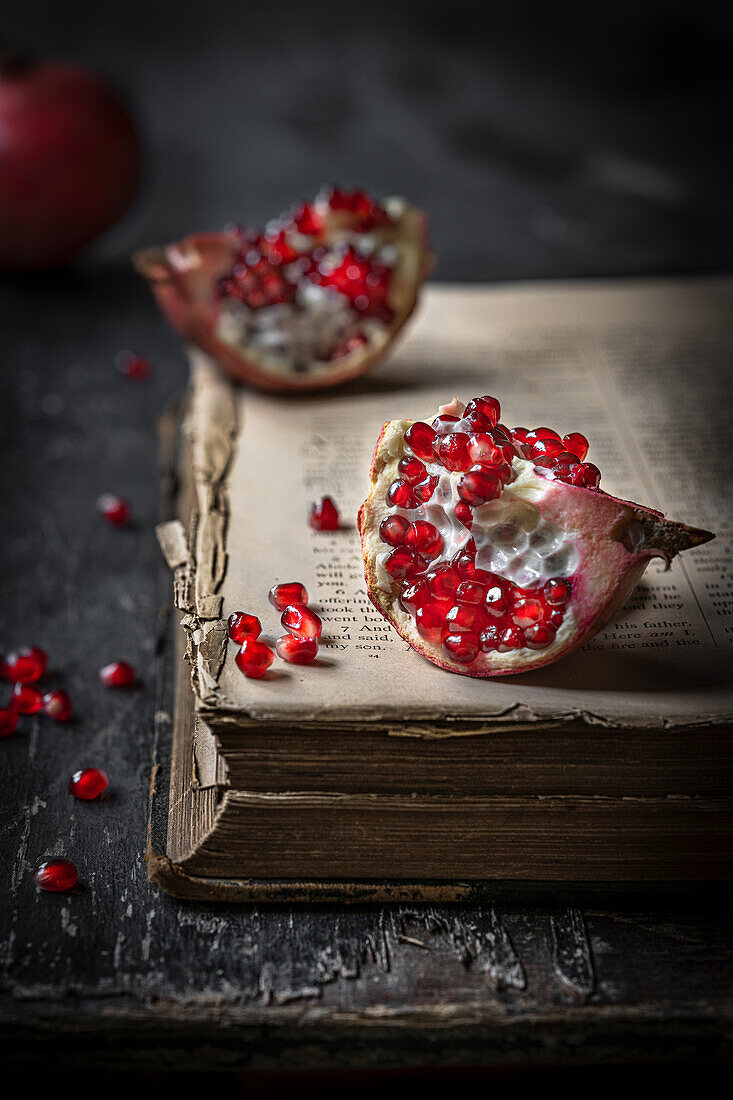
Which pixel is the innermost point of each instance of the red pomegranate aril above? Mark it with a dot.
(26, 666)
(414, 594)
(57, 705)
(577, 444)
(470, 592)
(539, 635)
(114, 509)
(541, 433)
(489, 406)
(476, 421)
(298, 651)
(241, 626)
(526, 612)
(254, 658)
(118, 674)
(495, 601)
(556, 592)
(301, 621)
(478, 486)
(452, 451)
(464, 514)
(467, 617)
(307, 220)
(511, 637)
(519, 435)
(324, 515)
(25, 699)
(430, 620)
(401, 495)
(556, 617)
(462, 646)
(411, 469)
(489, 638)
(586, 475)
(420, 437)
(8, 721)
(482, 449)
(443, 582)
(88, 784)
(424, 490)
(551, 447)
(403, 562)
(393, 529)
(132, 365)
(443, 424)
(280, 595)
(56, 876)
(425, 538)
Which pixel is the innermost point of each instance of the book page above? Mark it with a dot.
(641, 368)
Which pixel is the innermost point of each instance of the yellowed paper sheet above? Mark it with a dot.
(640, 367)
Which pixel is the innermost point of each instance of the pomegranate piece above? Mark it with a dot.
(56, 876)
(550, 558)
(254, 658)
(324, 515)
(88, 784)
(25, 699)
(280, 595)
(117, 674)
(71, 161)
(133, 366)
(26, 666)
(8, 721)
(57, 705)
(298, 651)
(241, 626)
(313, 301)
(301, 621)
(114, 509)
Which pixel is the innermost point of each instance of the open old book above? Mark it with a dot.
(374, 774)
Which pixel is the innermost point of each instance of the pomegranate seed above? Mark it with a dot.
(280, 595)
(400, 495)
(489, 638)
(539, 635)
(467, 617)
(577, 444)
(556, 592)
(414, 594)
(443, 424)
(478, 486)
(8, 721)
(118, 674)
(26, 666)
(495, 601)
(483, 449)
(489, 406)
(510, 637)
(556, 617)
(254, 658)
(452, 451)
(55, 875)
(298, 651)
(403, 562)
(132, 365)
(464, 514)
(256, 281)
(307, 220)
(241, 626)
(541, 433)
(430, 620)
(551, 447)
(586, 475)
(324, 515)
(25, 699)
(462, 647)
(301, 621)
(114, 509)
(425, 538)
(57, 705)
(519, 435)
(527, 611)
(470, 592)
(276, 247)
(420, 437)
(476, 421)
(443, 582)
(88, 784)
(393, 529)
(411, 469)
(363, 281)
(425, 489)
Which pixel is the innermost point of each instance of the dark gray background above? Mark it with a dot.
(544, 141)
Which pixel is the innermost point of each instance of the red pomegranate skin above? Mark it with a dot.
(70, 162)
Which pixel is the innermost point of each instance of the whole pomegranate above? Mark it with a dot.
(69, 161)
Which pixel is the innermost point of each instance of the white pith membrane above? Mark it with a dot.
(537, 530)
(298, 338)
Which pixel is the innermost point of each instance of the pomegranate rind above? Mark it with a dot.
(183, 277)
(616, 540)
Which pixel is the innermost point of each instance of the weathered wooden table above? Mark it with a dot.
(557, 173)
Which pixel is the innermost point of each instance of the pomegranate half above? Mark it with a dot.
(314, 300)
(492, 550)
